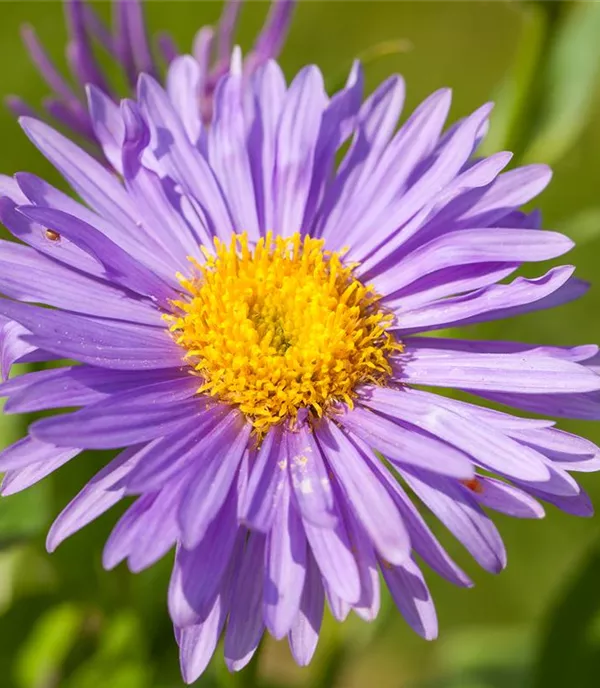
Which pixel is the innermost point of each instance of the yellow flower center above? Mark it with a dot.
(281, 327)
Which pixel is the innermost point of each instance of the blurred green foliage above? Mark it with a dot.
(66, 623)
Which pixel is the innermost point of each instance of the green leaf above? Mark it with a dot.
(583, 228)
(512, 97)
(24, 515)
(48, 645)
(569, 653)
(571, 79)
(120, 659)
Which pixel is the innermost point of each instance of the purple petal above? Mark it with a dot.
(309, 479)
(108, 125)
(266, 483)
(304, 634)
(192, 442)
(29, 450)
(495, 302)
(495, 372)
(184, 82)
(506, 499)
(198, 643)
(119, 265)
(297, 135)
(407, 444)
(21, 478)
(245, 625)
(370, 500)
(488, 447)
(270, 40)
(128, 418)
(198, 573)
(270, 89)
(138, 40)
(228, 154)
(285, 560)
(333, 553)
(108, 344)
(411, 596)
(62, 287)
(179, 159)
(423, 540)
(472, 246)
(216, 468)
(73, 386)
(95, 498)
(375, 124)
(460, 513)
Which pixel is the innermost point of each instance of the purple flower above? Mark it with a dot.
(247, 317)
(127, 43)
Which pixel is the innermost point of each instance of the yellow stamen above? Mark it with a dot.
(281, 327)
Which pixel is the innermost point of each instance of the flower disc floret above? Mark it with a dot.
(281, 327)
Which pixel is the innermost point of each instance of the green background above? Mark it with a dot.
(66, 623)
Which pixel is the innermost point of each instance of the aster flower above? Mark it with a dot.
(246, 318)
(128, 44)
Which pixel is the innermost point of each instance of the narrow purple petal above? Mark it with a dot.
(488, 446)
(59, 286)
(304, 634)
(228, 153)
(407, 444)
(411, 596)
(184, 83)
(173, 454)
(333, 552)
(472, 246)
(79, 50)
(73, 386)
(495, 302)
(198, 573)
(108, 344)
(138, 39)
(310, 482)
(198, 643)
(123, 419)
(45, 66)
(119, 265)
(108, 125)
(495, 372)
(506, 499)
(424, 542)
(460, 513)
(28, 451)
(21, 478)
(96, 497)
(179, 159)
(273, 34)
(245, 625)
(216, 470)
(285, 564)
(297, 136)
(268, 476)
(369, 499)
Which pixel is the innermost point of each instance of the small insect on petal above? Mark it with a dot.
(473, 484)
(51, 235)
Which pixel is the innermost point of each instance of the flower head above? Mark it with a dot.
(246, 315)
(128, 45)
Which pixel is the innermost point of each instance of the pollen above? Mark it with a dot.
(281, 326)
